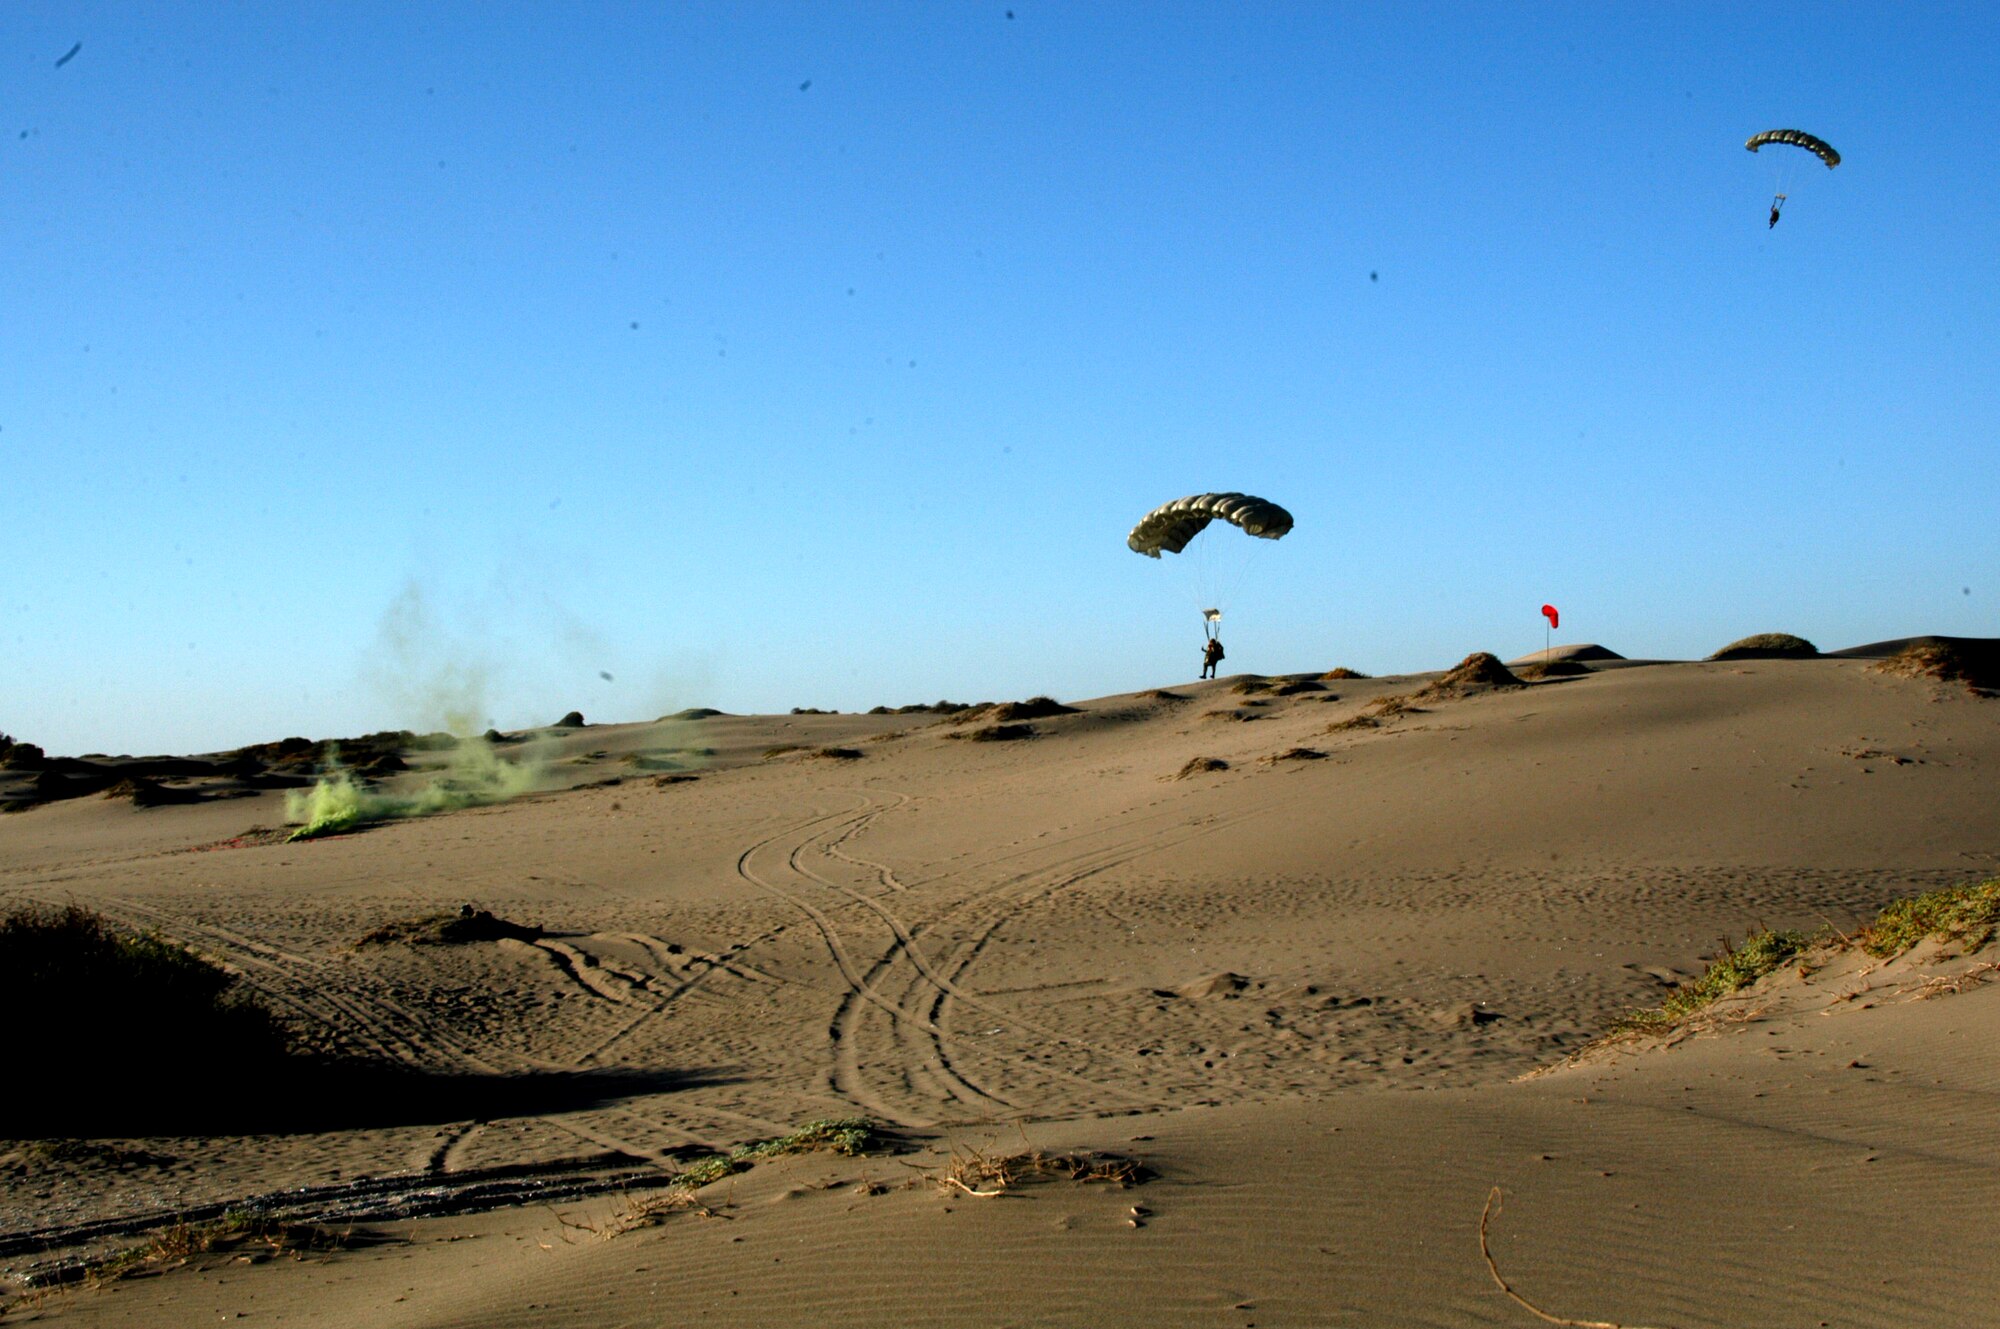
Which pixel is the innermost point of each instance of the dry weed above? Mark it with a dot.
(1950, 985)
(987, 1174)
(1493, 1202)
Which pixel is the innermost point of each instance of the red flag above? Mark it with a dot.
(1549, 612)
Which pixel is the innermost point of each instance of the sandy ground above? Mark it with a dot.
(1304, 990)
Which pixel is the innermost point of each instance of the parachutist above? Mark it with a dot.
(1776, 204)
(1211, 656)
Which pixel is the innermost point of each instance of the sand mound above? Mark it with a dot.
(998, 733)
(1201, 766)
(836, 754)
(1161, 694)
(146, 793)
(1296, 686)
(1034, 708)
(693, 713)
(1479, 672)
(1335, 675)
(19, 756)
(1768, 646)
(1294, 754)
(1579, 651)
(1946, 660)
(1552, 669)
(1224, 984)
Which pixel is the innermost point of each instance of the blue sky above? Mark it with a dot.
(361, 361)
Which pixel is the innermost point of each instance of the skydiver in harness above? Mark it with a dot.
(1211, 650)
(1776, 204)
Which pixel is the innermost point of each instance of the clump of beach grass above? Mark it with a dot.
(984, 1174)
(1552, 669)
(849, 1136)
(1766, 645)
(1735, 969)
(1946, 661)
(1293, 754)
(242, 1233)
(1201, 766)
(1966, 915)
(995, 733)
(1479, 672)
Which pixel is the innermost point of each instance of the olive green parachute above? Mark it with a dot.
(1798, 138)
(1170, 526)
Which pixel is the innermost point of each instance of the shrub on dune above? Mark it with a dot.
(1479, 672)
(1946, 661)
(100, 1013)
(1767, 646)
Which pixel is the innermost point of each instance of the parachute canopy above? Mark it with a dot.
(1170, 526)
(1798, 138)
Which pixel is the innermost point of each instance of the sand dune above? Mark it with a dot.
(1305, 990)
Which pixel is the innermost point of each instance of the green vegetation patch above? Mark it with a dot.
(1737, 968)
(852, 1136)
(1964, 914)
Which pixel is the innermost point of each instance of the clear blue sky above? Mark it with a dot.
(355, 359)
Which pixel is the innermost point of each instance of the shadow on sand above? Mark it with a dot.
(296, 1096)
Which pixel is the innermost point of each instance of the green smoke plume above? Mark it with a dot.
(475, 775)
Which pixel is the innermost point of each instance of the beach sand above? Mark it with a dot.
(1327, 983)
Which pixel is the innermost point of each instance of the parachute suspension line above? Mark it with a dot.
(1190, 528)
(1789, 150)
(1219, 561)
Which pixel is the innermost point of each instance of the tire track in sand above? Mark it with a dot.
(927, 1075)
(903, 972)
